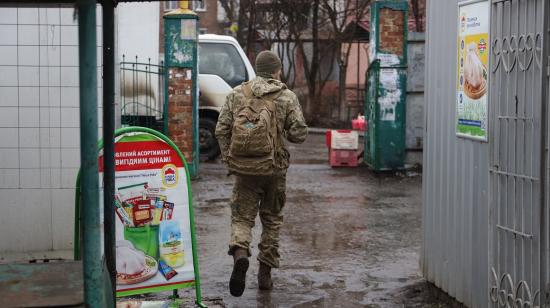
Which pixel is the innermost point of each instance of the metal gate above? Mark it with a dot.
(142, 94)
(518, 256)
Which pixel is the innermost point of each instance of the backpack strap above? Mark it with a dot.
(270, 99)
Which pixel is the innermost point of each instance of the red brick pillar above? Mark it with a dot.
(180, 110)
(392, 29)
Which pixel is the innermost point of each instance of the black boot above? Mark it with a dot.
(238, 276)
(264, 277)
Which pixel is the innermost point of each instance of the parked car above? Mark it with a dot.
(223, 65)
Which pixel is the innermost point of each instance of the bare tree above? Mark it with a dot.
(274, 35)
(340, 15)
(297, 12)
(417, 14)
(311, 32)
(230, 7)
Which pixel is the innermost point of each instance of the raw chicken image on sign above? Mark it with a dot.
(475, 81)
(132, 265)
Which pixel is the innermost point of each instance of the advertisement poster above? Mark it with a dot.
(473, 69)
(153, 227)
(188, 29)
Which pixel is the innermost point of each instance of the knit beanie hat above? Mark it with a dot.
(267, 63)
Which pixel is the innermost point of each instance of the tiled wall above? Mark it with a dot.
(39, 126)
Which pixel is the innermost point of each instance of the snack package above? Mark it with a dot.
(122, 214)
(171, 243)
(128, 208)
(166, 270)
(167, 210)
(142, 212)
(154, 193)
(157, 211)
(132, 193)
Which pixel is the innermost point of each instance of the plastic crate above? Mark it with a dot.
(343, 158)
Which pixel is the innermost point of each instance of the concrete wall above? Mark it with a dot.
(138, 31)
(39, 127)
(138, 41)
(415, 97)
(455, 219)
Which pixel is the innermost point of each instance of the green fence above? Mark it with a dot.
(142, 94)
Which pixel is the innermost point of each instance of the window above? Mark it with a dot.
(222, 60)
(199, 6)
(171, 5)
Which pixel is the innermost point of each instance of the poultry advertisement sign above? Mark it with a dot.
(154, 246)
(473, 69)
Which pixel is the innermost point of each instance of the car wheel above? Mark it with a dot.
(209, 148)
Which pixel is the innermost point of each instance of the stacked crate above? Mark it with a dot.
(343, 146)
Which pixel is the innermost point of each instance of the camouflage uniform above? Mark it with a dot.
(265, 194)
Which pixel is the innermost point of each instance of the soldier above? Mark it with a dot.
(253, 148)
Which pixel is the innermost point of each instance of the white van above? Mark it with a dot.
(223, 65)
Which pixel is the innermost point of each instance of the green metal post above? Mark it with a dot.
(109, 145)
(94, 293)
(385, 94)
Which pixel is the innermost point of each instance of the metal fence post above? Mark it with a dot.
(544, 245)
(94, 293)
(109, 141)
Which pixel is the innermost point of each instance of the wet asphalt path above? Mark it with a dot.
(351, 238)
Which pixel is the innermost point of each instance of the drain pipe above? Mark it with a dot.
(94, 293)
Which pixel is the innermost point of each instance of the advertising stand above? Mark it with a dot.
(155, 230)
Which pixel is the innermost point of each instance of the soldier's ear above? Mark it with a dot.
(277, 75)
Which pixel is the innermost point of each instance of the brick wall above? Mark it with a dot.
(180, 110)
(209, 18)
(392, 25)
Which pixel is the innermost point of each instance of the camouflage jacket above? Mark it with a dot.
(289, 117)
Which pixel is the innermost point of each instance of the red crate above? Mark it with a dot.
(343, 158)
(328, 138)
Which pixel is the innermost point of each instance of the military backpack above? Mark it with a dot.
(254, 135)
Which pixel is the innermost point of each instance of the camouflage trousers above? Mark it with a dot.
(253, 194)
